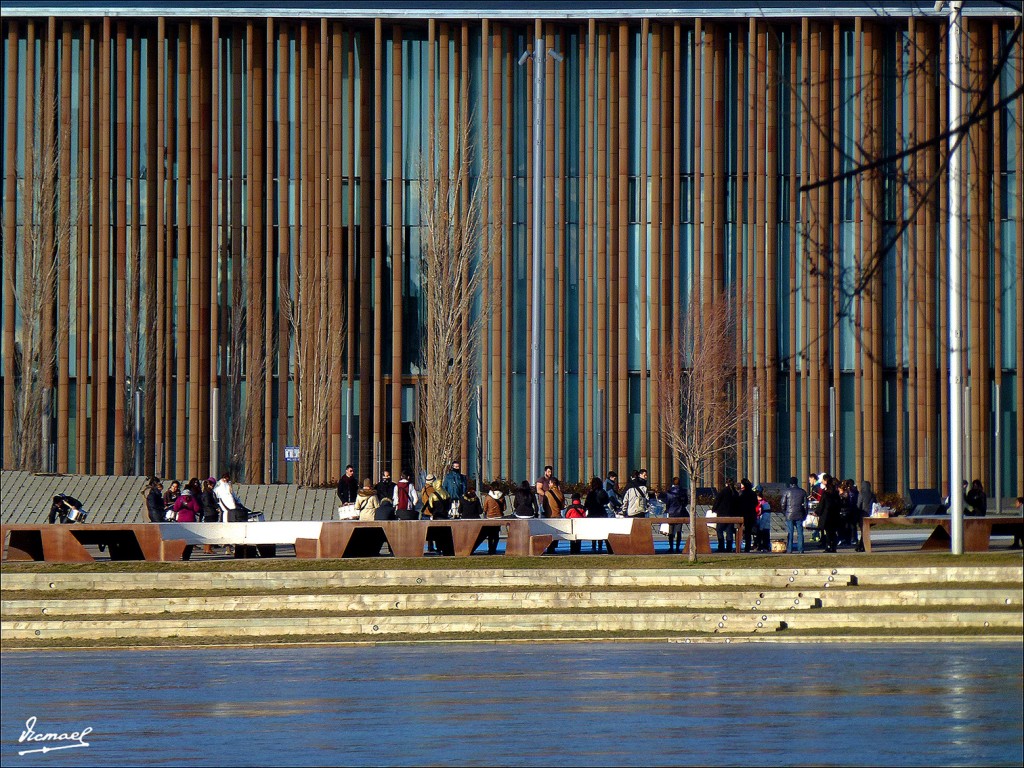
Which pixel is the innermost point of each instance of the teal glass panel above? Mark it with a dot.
(890, 285)
(517, 440)
(891, 479)
(783, 436)
(1010, 293)
(848, 344)
(846, 440)
(571, 438)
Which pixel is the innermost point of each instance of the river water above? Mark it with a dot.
(523, 704)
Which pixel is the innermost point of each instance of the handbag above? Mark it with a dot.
(711, 513)
(663, 529)
(811, 521)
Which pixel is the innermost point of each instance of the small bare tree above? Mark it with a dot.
(316, 328)
(46, 230)
(701, 407)
(455, 260)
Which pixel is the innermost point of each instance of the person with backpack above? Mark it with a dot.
(366, 500)
(637, 497)
(405, 498)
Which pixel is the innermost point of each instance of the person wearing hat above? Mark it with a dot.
(794, 509)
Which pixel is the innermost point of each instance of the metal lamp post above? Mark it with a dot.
(956, 473)
(534, 458)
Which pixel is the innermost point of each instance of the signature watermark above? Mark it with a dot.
(31, 736)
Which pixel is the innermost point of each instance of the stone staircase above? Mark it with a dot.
(212, 607)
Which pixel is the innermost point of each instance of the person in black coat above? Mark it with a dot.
(676, 499)
(470, 507)
(211, 510)
(348, 486)
(62, 505)
(830, 515)
(596, 504)
(746, 504)
(155, 502)
(385, 488)
(976, 501)
(725, 506)
(524, 501)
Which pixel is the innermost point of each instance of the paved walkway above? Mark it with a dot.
(25, 497)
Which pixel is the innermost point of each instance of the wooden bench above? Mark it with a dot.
(66, 543)
(407, 538)
(625, 535)
(977, 530)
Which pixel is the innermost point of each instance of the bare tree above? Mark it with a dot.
(456, 258)
(46, 230)
(316, 328)
(702, 408)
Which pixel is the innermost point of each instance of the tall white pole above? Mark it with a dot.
(538, 255)
(956, 473)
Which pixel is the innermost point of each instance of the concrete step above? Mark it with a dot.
(893, 620)
(527, 600)
(383, 624)
(565, 578)
(873, 597)
(432, 601)
(183, 578)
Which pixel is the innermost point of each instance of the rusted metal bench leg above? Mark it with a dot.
(939, 540)
(24, 545)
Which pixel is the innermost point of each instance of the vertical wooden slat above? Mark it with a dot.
(265, 287)
(900, 253)
(622, 251)
(160, 303)
(554, 259)
(397, 246)
(339, 246)
(65, 213)
(644, 295)
(154, 160)
(378, 234)
(997, 249)
(369, 227)
(120, 241)
(601, 254)
(651, 436)
(11, 65)
(181, 188)
(936, 263)
(767, 459)
(102, 362)
(197, 335)
(290, 87)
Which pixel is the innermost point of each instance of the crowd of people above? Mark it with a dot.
(207, 501)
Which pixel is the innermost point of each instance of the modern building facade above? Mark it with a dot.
(172, 176)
